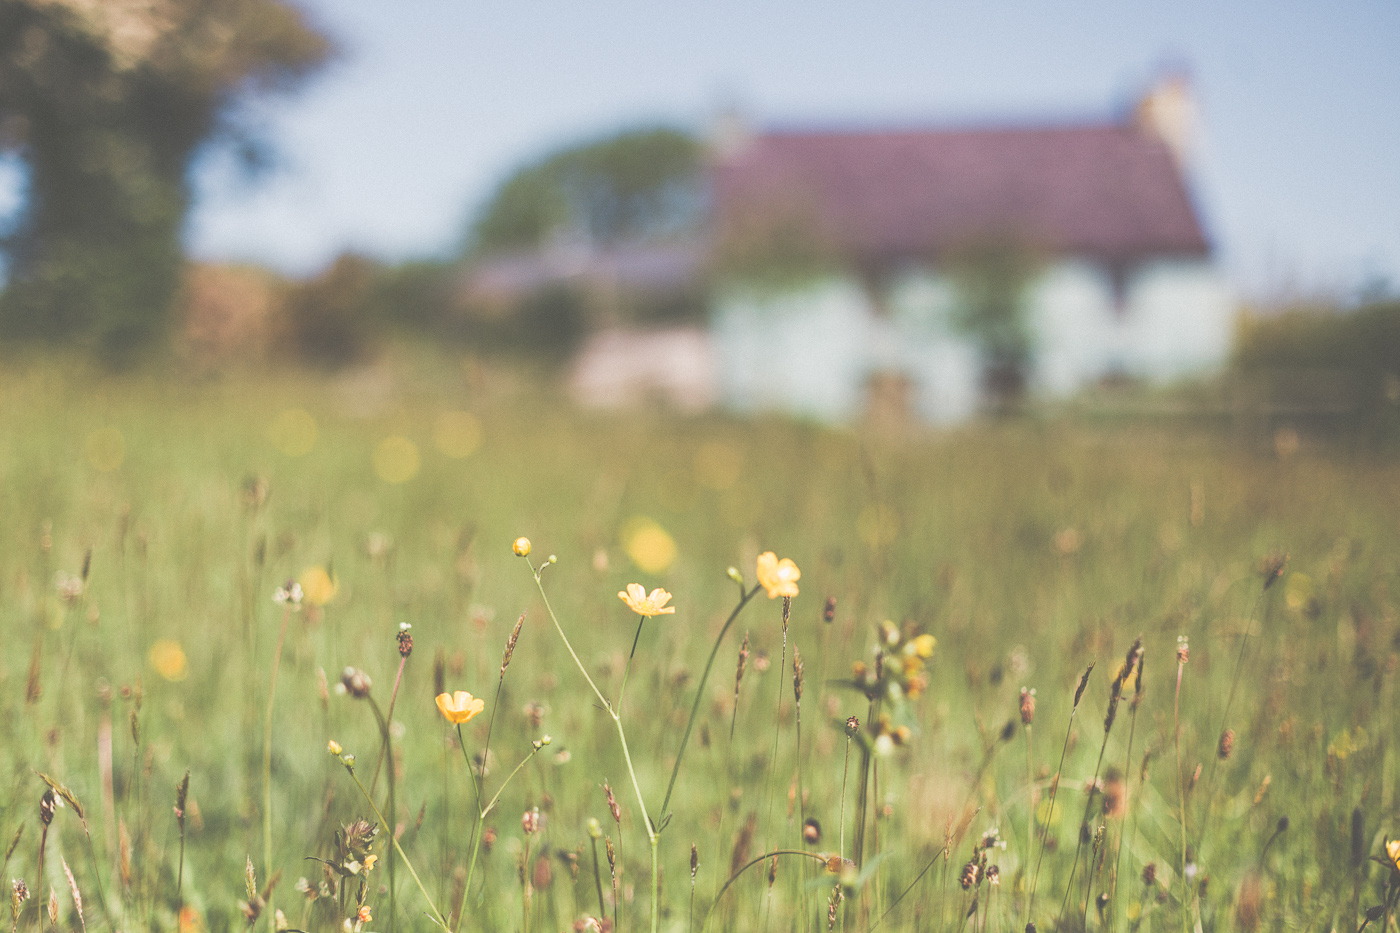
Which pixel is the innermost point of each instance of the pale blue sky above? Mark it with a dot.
(433, 101)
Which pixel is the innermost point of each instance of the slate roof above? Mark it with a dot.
(1109, 192)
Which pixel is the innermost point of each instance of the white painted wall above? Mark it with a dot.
(811, 350)
(804, 350)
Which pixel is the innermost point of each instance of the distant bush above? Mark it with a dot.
(1328, 369)
(227, 312)
(328, 319)
(1367, 339)
(1360, 348)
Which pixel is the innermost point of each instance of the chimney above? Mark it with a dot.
(730, 134)
(1168, 112)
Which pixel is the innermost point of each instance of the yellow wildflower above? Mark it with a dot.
(642, 604)
(369, 862)
(459, 707)
(778, 577)
(1392, 851)
(521, 547)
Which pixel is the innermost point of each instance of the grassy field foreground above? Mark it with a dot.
(954, 589)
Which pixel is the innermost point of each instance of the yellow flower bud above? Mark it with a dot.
(521, 547)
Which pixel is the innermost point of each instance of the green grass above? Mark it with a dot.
(1028, 549)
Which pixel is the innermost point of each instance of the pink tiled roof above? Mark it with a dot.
(1111, 192)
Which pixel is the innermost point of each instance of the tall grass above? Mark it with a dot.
(1027, 550)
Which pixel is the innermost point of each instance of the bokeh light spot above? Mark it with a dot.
(396, 459)
(649, 545)
(317, 586)
(293, 432)
(168, 658)
(1299, 592)
(106, 449)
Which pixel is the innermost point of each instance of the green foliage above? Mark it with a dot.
(776, 245)
(107, 104)
(632, 185)
(991, 278)
(1340, 366)
(1365, 342)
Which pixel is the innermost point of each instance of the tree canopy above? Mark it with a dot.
(631, 185)
(107, 103)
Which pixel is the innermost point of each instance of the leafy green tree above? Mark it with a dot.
(107, 103)
(631, 185)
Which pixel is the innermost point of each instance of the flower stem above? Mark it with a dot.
(1180, 788)
(750, 864)
(627, 755)
(482, 813)
(845, 773)
(438, 918)
(626, 671)
(386, 750)
(389, 716)
(267, 752)
(700, 695)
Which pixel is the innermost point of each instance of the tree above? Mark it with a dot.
(631, 185)
(107, 104)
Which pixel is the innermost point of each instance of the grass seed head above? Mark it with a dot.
(829, 610)
(48, 805)
(739, 669)
(1027, 706)
(512, 639)
(613, 808)
(1226, 744)
(1083, 682)
(19, 893)
(971, 874)
(405, 639)
(182, 793)
(439, 671)
(77, 895)
(356, 682)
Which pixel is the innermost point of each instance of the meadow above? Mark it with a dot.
(941, 762)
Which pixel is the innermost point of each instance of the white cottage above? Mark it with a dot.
(1125, 286)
